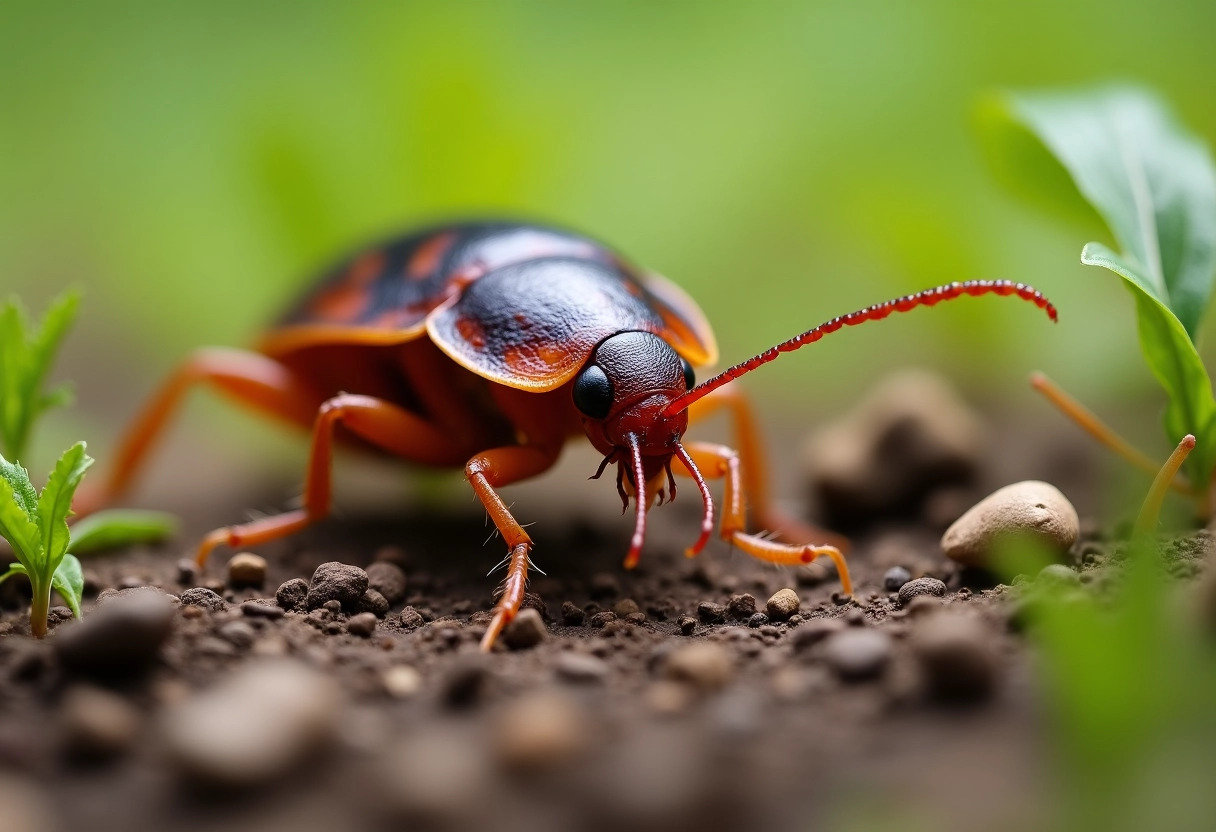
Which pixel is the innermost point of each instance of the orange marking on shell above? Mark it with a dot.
(429, 255)
(472, 332)
(348, 298)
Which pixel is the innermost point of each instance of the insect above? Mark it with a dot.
(488, 346)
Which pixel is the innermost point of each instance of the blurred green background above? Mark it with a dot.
(192, 165)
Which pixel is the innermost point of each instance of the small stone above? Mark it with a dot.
(375, 603)
(1057, 576)
(362, 624)
(636, 618)
(605, 585)
(291, 594)
(954, 657)
(187, 571)
(333, 607)
(702, 664)
(539, 731)
(410, 618)
(895, 577)
(741, 607)
(1031, 508)
(336, 581)
(783, 604)
(687, 624)
(256, 726)
(262, 609)
(246, 569)
(238, 634)
(203, 598)
(757, 620)
(464, 682)
(120, 639)
(920, 586)
(580, 668)
(602, 619)
(572, 614)
(711, 613)
(97, 724)
(625, 607)
(401, 681)
(388, 579)
(526, 630)
(856, 653)
(814, 632)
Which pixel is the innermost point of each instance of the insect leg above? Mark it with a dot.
(485, 472)
(250, 378)
(754, 471)
(720, 462)
(381, 423)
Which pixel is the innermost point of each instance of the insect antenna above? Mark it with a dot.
(707, 519)
(639, 496)
(928, 297)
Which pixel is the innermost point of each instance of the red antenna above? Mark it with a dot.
(928, 297)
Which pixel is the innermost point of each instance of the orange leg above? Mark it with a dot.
(252, 379)
(485, 472)
(382, 423)
(754, 474)
(718, 461)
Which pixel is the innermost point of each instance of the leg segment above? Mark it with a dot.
(485, 472)
(382, 423)
(754, 473)
(718, 461)
(250, 378)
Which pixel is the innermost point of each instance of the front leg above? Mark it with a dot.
(721, 462)
(485, 472)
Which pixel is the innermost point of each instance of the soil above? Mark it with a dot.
(605, 719)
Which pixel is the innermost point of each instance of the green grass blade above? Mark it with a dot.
(12, 353)
(55, 503)
(18, 514)
(13, 569)
(120, 527)
(68, 581)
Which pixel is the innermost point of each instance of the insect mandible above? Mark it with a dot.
(488, 346)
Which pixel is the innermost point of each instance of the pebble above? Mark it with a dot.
(1031, 507)
(246, 569)
(254, 727)
(262, 609)
(955, 660)
(757, 620)
(856, 653)
(625, 607)
(401, 681)
(580, 668)
(291, 594)
(122, 638)
(238, 634)
(334, 581)
(541, 730)
(895, 577)
(203, 598)
(410, 618)
(374, 603)
(783, 604)
(362, 624)
(187, 571)
(702, 664)
(464, 682)
(687, 624)
(602, 619)
(526, 630)
(918, 587)
(388, 579)
(711, 613)
(97, 724)
(814, 632)
(572, 614)
(742, 607)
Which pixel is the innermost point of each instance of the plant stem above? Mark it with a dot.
(1147, 521)
(39, 608)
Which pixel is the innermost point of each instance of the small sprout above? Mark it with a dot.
(26, 354)
(119, 527)
(35, 525)
(1147, 521)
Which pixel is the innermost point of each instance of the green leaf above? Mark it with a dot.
(19, 513)
(25, 361)
(68, 581)
(55, 504)
(120, 527)
(13, 569)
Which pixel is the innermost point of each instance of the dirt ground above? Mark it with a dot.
(652, 699)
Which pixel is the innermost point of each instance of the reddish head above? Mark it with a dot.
(635, 390)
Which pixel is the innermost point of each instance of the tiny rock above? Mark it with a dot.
(572, 614)
(374, 603)
(895, 577)
(291, 594)
(336, 581)
(783, 604)
(687, 624)
(526, 630)
(124, 637)
(238, 634)
(580, 668)
(541, 730)
(703, 665)
(954, 657)
(464, 682)
(858, 653)
(203, 598)
(255, 726)
(1031, 508)
(388, 579)
(97, 724)
(918, 587)
(741, 607)
(246, 569)
(813, 633)
(363, 624)
(711, 613)
(625, 607)
(402, 681)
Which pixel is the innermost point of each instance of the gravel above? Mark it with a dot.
(246, 569)
(580, 668)
(526, 630)
(895, 577)
(334, 581)
(122, 638)
(291, 594)
(782, 604)
(1031, 508)
(388, 579)
(856, 654)
(203, 598)
(918, 587)
(703, 665)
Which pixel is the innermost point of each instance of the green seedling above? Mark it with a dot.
(1154, 186)
(26, 354)
(35, 525)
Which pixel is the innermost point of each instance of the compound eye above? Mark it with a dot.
(593, 392)
(690, 378)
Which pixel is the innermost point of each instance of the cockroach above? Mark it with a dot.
(487, 346)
